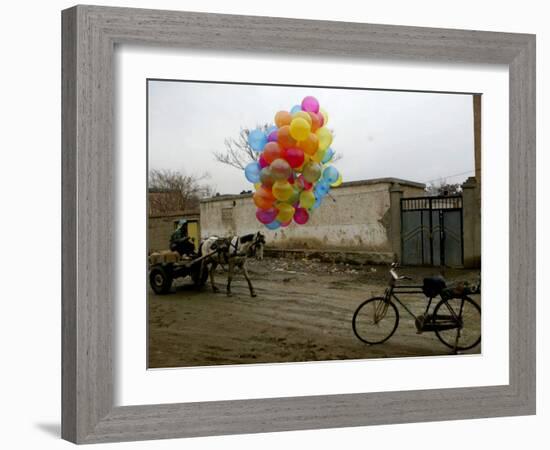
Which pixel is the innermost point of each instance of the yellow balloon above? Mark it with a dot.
(303, 115)
(300, 128)
(338, 182)
(282, 190)
(257, 185)
(286, 212)
(319, 155)
(325, 138)
(307, 199)
(325, 116)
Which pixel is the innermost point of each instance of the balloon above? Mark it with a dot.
(325, 137)
(310, 144)
(272, 151)
(310, 104)
(303, 115)
(325, 116)
(282, 118)
(312, 171)
(286, 212)
(263, 198)
(338, 182)
(295, 197)
(303, 183)
(262, 162)
(266, 178)
(284, 138)
(316, 121)
(291, 175)
(307, 199)
(299, 128)
(321, 189)
(282, 190)
(280, 169)
(328, 155)
(257, 139)
(319, 155)
(301, 216)
(266, 216)
(252, 172)
(273, 225)
(294, 157)
(272, 137)
(286, 224)
(330, 174)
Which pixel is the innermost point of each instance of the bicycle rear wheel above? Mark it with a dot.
(375, 320)
(462, 316)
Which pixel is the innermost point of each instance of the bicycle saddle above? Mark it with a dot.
(433, 286)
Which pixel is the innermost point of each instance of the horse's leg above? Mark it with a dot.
(230, 269)
(245, 272)
(212, 269)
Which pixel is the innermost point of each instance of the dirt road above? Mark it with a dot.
(303, 312)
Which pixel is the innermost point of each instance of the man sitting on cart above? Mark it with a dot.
(180, 241)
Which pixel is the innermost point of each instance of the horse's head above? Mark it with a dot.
(259, 243)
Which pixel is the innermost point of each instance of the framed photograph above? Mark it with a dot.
(265, 229)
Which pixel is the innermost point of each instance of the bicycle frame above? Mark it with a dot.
(393, 288)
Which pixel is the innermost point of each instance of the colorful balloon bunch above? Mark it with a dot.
(292, 174)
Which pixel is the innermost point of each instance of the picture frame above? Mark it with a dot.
(89, 37)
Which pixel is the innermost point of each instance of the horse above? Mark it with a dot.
(234, 252)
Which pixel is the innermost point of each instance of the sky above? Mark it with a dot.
(417, 136)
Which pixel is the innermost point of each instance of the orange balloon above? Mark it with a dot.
(282, 118)
(284, 138)
(315, 121)
(263, 198)
(310, 144)
(272, 151)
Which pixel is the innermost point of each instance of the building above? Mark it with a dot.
(359, 216)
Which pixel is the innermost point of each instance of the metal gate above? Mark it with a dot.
(431, 231)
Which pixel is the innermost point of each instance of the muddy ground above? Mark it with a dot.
(303, 312)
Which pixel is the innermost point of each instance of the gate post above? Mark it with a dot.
(396, 194)
(471, 213)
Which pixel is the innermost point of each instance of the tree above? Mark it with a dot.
(171, 191)
(441, 187)
(238, 153)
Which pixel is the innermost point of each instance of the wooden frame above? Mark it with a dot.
(89, 36)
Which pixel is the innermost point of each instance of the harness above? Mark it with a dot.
(229, 248)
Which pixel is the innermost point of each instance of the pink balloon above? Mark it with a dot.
(310, 104)
(266, 216)
(272, 136)
(262, 162)
(301, 216)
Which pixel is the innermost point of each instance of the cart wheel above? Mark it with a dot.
(160, 280)
(199, 280)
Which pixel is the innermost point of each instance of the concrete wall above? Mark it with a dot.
(359, 219)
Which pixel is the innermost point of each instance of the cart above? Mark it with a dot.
(167, 265)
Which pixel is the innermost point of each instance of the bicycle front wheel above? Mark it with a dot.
(375, 320)
(458, 323)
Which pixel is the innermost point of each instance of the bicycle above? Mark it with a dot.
(456, 318)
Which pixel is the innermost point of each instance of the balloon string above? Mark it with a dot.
(333, 199)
